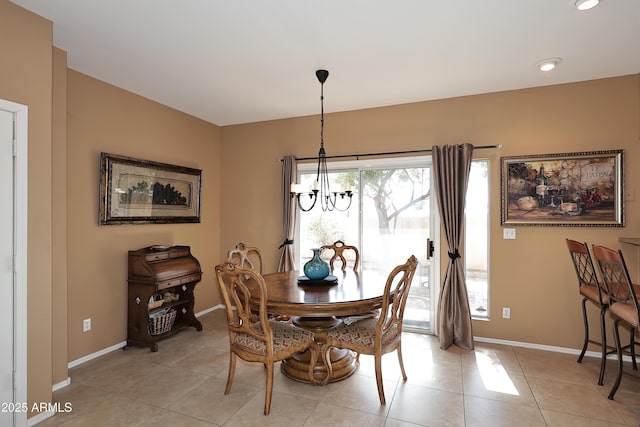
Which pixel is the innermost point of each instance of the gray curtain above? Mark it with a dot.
(289, 209)
(451, 166)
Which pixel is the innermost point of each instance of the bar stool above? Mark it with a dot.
(623, 303)
(591, 291)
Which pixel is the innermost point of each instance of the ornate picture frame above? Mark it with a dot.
(134, 191)
(583, 189)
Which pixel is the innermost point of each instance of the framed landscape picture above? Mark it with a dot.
(570, 189)
(134, 191)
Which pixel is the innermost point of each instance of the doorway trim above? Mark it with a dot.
(20, 206)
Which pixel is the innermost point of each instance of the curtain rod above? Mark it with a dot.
(389, 153)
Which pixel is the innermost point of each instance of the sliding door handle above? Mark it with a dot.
(429, 248)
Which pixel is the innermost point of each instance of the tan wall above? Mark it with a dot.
(25, 78)
(104, 118)
(533, 274)
(59, 219)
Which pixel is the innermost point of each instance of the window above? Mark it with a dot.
(476, 245)
(391, 216)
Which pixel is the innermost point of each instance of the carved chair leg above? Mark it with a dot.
(232, 371)
(399, 351)
(325, 354)
(313, 359)
(378, 362)
(269, 389)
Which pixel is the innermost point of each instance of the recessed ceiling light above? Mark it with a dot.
(586, 4)
(548, 64)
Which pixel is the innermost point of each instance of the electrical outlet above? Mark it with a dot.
(506, 313)
(86, 325)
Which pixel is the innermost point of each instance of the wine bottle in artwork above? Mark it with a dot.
(542, 184)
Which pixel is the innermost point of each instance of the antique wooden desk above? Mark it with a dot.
(320, 308)
(152, 271)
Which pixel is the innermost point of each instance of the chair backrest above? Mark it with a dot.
(584, 267)
(615, 276)
(231, 278)
(338, 248)
(246, 257)
(396, 291)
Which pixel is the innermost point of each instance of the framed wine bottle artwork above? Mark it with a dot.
(583, 189)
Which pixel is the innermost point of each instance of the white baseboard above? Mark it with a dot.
(95, 355)
(551, 348)
(62, 384)
(210, 309)
(529, 345)
(118, 346)
(36, 419)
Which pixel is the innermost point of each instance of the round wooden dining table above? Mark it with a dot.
(318, 308)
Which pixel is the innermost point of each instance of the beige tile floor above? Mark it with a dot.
(495, 385)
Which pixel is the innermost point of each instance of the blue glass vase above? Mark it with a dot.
(316, 268)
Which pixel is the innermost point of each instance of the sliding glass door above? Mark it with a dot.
(391, 218)
(396, 217)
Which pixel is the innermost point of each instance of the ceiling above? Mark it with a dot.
(232, 62)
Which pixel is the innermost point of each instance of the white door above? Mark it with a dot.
(6, 267)
(13, 264)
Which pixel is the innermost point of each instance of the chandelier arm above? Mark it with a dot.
(346, 208)
(313, 195)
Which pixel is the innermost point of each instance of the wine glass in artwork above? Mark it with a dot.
(557, 194)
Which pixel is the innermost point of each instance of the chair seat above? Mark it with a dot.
(361, 333)
(285, 336)
(591, 292)
(626, 312)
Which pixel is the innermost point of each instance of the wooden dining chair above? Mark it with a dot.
(623, 303)
(338, 248)
(377, 335)
(246, 257)
(265, 341)
(591, 291)
(251, 257)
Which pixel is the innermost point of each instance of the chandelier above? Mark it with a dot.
(329, 200)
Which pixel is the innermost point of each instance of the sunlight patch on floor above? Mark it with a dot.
(494, 376)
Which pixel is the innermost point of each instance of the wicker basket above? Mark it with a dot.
(155, 302)
(162, 323)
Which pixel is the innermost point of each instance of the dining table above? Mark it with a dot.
(319, 306)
